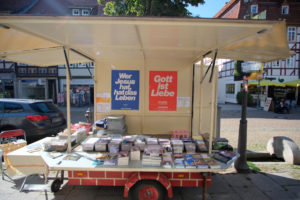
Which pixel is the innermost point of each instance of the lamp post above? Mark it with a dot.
(241, 163)
(258, 97)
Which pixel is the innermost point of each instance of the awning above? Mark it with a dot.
(294, 83)
(38, 40)
(27, 48)
(267, 83)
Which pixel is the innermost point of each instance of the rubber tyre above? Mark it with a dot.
(148, 190)
(55, 186)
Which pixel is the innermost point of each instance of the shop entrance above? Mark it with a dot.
(6, 89)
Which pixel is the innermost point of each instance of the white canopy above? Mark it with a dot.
(37, 40)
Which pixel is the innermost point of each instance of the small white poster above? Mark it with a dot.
(267, 104)
(184, 102)
(103, 101)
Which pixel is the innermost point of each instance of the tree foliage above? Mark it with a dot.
(148, 7)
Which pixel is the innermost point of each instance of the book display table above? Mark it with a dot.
(84, 169)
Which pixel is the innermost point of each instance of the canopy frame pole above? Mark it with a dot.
(66, 53)
(213, 104)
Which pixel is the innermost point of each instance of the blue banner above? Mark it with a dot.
(125, 89)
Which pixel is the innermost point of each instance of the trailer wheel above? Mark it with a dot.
(148, 190)
(55, 186)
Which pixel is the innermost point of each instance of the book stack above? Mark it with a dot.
(114, 146)
(166, 144)
(150, 141)
(123, 158)
(177, 146)
(139, 142)
(111, 160)
(151, 160)
(200, 162)
(116, 124)
(89, 144)
(167, 160)
(201, 146)
(190, 147)
(154, 149)
(225, 156)
(101, 145)
(126, 145)
(135, 153)
(212, 163)
(179, 163)
(189, 161)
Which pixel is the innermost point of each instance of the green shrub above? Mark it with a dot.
(239, 97)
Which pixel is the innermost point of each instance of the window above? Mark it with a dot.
(275, 63)
(12, 108)
(85, 12)
(230, 88)
(291, 34)
(75, 12)
(254, 9)
(285, 10)
(290, 62)
(44, 107)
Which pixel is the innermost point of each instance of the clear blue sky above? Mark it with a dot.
(209, 9)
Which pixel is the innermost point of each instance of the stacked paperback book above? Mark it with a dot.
(118, 150)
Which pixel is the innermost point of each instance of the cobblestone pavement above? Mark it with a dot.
(230, 185)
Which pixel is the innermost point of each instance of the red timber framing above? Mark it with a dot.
(129, 179)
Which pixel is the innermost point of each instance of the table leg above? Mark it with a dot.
(204, 185)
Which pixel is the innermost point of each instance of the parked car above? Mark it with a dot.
(38, 118)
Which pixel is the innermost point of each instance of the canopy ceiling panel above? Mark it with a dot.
(143, 39)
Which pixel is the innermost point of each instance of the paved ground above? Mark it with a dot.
(224, 186)
(231, 186)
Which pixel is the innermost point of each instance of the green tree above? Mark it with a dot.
(148, 7)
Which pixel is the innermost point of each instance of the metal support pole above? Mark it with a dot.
(241, 163)
(258, 95)
(204, 185)
(66, 53)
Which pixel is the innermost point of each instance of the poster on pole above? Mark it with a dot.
(125, 89)
(162, 90)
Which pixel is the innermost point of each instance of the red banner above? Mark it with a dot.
(163, 90)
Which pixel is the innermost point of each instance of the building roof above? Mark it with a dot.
(226, 7)
(46, 7)
(15, 6)
(239, 9)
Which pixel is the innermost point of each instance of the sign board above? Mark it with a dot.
(162, 90)
(251, 69)
(267, 104)
(125, 89)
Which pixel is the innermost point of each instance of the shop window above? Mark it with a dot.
(254, 9)
(230, 88)
(12, 108)
(291, 34)
(75, 12)
(85, 12)
(1, 107)
(285, 10)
